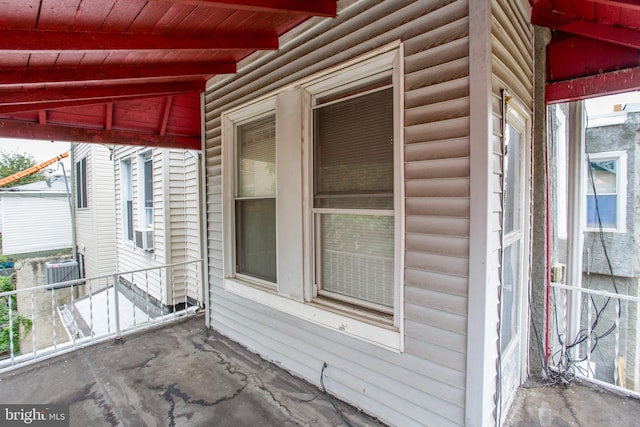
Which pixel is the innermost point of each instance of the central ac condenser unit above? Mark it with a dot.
(61, 271)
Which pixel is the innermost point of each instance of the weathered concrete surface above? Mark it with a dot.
(580, 404)
(179, 375)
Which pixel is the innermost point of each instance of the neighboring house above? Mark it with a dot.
(36, 219)
(95, 212)
(610, 254)
(359, 226)
(157, 202)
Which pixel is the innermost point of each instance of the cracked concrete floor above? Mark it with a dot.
(178, 375)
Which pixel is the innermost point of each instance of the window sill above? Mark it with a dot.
(325, 314)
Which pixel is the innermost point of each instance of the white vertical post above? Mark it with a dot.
(116, 304)
(575, 220)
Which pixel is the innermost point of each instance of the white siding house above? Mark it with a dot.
(95, 213)
(158, 219)
(360, 213)
(36, 219)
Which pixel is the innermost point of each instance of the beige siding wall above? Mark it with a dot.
(176, 224)
(95, 225)
(184, 222)
(129, 257)
(424, 385)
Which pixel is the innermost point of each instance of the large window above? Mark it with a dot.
(354, 194)
(606, 191)
(127, 198)
(81, 184)
(255, 202)
(145, 165)
(313, 199)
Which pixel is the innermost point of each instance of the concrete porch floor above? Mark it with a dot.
(185, 375)
(581, 404)
(177, 375)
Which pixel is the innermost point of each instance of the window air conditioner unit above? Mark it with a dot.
(144, 239)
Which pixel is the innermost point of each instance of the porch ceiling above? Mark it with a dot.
(594, 49)
(128, 71)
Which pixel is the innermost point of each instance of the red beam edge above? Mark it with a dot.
(623, 4)
(27, 130)
(327, 8)
(593, 86)
(109, 119)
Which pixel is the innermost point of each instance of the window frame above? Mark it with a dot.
(143, 217)
(621, 190)
(126, 196)
(230, 122)
(82, 198)
(294, 294)
(359, 74)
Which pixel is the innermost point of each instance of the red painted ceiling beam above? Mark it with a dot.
(40, 41)
(623, 4)
(97, 93)
(597, 31)
(25, 76)
(298, 7)
(591, 86)
(28, 130)
(50, 105)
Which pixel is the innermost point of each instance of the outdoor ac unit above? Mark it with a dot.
(61, 271)
(144, 239)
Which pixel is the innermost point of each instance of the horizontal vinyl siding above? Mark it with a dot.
(184, 212)
(424, 385)
(95, 225)
(129, 257)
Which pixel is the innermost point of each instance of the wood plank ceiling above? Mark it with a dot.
(128, 71)
(594, 49)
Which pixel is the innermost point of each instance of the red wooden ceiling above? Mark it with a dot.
(128, 71)
(594, 49)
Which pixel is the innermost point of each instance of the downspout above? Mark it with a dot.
(74, 241)
(197, 157)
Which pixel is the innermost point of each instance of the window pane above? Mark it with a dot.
(606, 208)
(354, 152)
(602, 176)
(509, 300)
(257, 158)
(357, 256)
(511, 179)
(256, 238)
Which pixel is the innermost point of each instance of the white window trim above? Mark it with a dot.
(380, 332)
(621, 189)
(84, 181)
(142, 220)
(129, 189)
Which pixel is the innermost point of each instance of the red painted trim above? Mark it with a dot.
(592, 86)
(165, 117)
(297, 7)
(623, 4)
(96, 93)
(28, 130)
(42, 117)
(25, 76)
(42, 41)
(597, 31)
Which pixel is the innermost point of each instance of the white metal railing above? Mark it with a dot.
(605, 345)
(47, 320)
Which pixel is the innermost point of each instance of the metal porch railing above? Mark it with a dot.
(48, 320)
(605, 345)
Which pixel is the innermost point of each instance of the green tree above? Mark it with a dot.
(12, 162)
(17, 320)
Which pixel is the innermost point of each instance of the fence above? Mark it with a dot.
(595, 334)
(48, 320)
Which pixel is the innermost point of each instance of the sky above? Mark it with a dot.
(39, 150)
